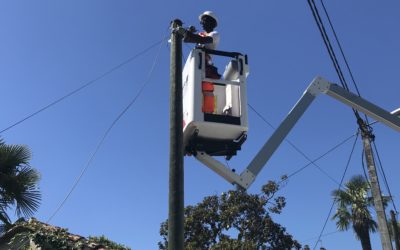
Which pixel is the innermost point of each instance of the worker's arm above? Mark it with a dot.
(194, 38)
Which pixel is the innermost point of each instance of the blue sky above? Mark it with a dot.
(49, 48)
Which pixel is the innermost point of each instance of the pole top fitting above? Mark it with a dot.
(176, 23)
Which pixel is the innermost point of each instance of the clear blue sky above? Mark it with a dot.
(49, 48)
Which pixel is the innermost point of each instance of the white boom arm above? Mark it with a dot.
(317, 86)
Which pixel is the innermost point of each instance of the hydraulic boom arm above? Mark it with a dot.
(317, 86)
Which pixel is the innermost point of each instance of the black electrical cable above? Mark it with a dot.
(327, 42)
(105, 135)
(329, 47)
(340, 47)
(145, 83)
(107, 132)
(364, 128)
(340, 185)
(321, 156)
(358, 92)
(260, 116)
(384, 176)
(86, 84)
(311, 162)
(342, 52)
(324, 235)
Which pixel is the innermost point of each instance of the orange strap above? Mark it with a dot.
(207, 86)
(208, 102)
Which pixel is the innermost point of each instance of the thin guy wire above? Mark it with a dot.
(294, 146)
(384, 175)
(324, 235)
(83, 86)
(340, 185)
(321, 156)
(105, 135)
(316, 159)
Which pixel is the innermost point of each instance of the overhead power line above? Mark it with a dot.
(311, 162)
(100, 143)
(331, 51)
(340, 47)
(366, 129)
(339, 187)
(321, 156)
(327, 42)
(324, 235)
(342, 53)
(85, 85)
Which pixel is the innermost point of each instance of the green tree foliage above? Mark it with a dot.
(212, 223)
(353, 208)
(18, 183)
(392, 230)
(103, 240)
(45, 236)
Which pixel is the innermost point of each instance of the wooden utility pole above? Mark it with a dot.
(395, 226)
(176, 195)
(367, 137)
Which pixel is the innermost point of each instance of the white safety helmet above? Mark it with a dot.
(211, 14)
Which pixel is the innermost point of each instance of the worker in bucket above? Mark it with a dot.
(209, 39)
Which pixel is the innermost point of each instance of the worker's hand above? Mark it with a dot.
(188, 36)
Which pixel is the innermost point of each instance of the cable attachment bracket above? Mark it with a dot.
(365, 129)
(176, 27)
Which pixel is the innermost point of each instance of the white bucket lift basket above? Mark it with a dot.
(220, 128)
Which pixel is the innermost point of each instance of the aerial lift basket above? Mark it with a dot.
(214, 108)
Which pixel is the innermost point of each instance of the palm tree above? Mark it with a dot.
(353, 209)
(18, 183)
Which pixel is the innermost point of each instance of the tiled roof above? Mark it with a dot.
(45, 230)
